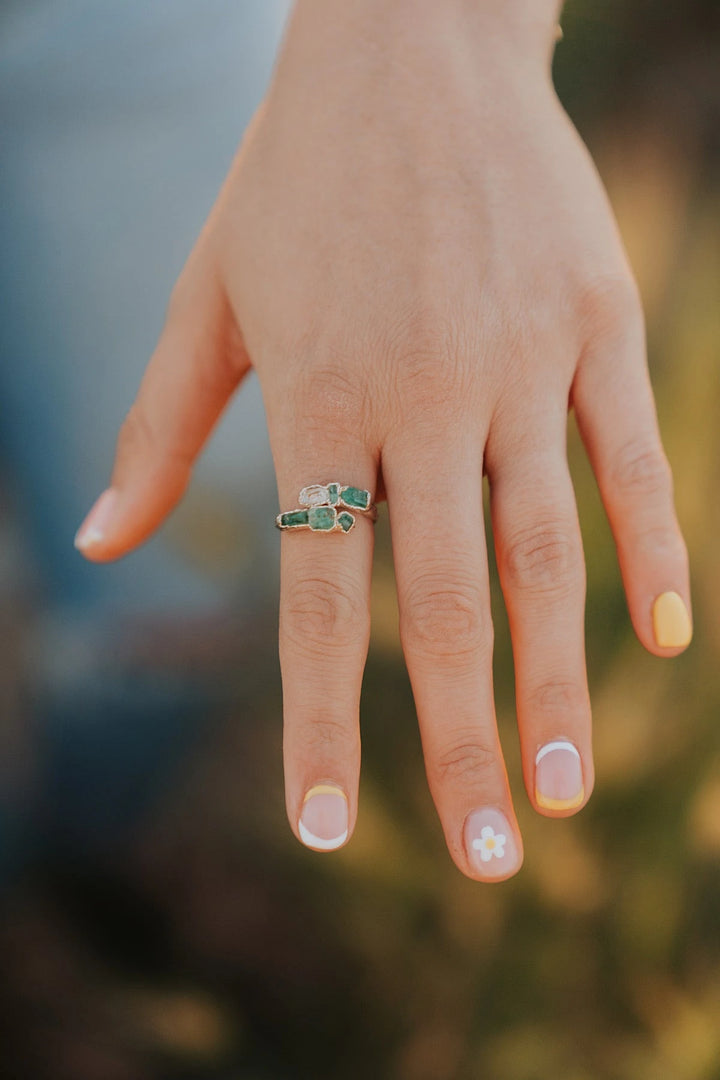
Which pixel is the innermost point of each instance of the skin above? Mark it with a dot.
(415, 253)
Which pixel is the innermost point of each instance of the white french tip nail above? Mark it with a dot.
(557, 744)
(318, 842)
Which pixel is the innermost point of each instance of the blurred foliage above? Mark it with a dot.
(207, 943)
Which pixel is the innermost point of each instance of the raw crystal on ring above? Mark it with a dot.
(322, 518)
(314, 495)
(345, 521)
(355, 498)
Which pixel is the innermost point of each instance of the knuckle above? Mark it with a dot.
(664, 541)
(322, 616)
(140, 446)
(543, 558)
(464, 760)
(140, 443)
(642, 468)
(558, 696)
(136, 436)
(334, 400)
(427, 351)
(326, 734)
(445, 617)
(217, 370)
(610, 304)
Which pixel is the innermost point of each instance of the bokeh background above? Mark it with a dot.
(157, 917)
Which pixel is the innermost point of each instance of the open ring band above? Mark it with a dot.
(327, 508)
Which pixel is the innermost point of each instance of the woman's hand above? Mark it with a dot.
(414, 252)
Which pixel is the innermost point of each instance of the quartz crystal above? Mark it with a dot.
(314, 495)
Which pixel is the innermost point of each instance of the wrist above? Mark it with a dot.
(513, 35)
(522, 22)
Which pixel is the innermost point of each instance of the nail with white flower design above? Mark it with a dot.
(491, 844)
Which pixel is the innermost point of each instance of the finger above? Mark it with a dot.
(197, 364)
(542, 573)
(324, 627)
(615, 410)
(434, 487)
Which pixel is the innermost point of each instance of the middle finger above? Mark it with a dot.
(434, 489)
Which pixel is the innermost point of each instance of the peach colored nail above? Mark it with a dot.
(558, 776)
(93, 529)
(671, 622)
(490, 843)
(324, 818)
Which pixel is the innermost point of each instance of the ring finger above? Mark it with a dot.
(324, 634)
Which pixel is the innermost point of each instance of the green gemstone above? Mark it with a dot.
(345, 521)
(322, 518)
(293, 518)
(333, 491)
(355, 497)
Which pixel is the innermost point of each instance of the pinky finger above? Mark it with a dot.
(616, 415)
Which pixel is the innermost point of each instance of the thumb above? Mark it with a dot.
(198, 362)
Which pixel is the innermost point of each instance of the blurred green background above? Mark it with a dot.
(204, 943)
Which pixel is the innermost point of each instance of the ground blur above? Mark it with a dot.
(159, 920)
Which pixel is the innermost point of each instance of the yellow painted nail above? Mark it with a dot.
(671, 621)
(560, 804)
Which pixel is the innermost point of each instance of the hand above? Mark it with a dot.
(415, 253)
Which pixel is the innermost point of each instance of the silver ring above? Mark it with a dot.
(328, 508)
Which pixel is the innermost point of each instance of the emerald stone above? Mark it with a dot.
(345, 521)
(333, 493)
(293, 518)
(355, 497)
(322, 518)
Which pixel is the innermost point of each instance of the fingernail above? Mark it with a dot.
(671, 621)
(558, 776)
(490, 843)
(92, 531)
(324, 818)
